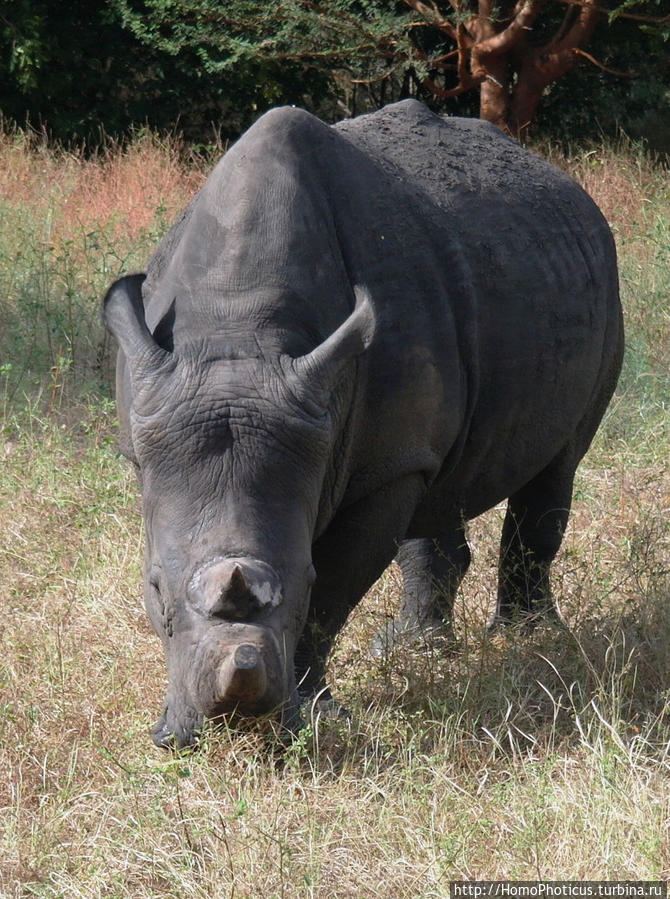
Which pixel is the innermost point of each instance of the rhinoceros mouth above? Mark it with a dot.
(177, 728)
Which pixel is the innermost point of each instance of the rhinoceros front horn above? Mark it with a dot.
(242, 676)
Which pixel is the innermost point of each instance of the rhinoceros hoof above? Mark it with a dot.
(320, 706)
(328, 709)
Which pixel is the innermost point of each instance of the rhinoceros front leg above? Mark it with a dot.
(533, 530)
(349, 557)
(432, 570)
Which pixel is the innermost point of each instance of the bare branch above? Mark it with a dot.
(609, 71)
(635, 17)
(580, 31)
(376, 78)
(464, 48)
(437, 61)
(433, 15)
(430, 12)
(443, 94)
(567, 22)
(482, 23)
(514, 32)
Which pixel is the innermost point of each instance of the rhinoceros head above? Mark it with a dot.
(231, 455)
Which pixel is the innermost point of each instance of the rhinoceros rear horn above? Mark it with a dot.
(323, 365)
(123, 313)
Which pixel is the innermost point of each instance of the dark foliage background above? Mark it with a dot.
(79, 69)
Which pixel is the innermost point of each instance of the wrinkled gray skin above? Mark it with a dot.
(353, 340)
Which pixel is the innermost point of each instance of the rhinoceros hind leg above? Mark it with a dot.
(432, 570)
(532, 533)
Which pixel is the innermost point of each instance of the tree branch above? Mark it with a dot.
(460, 88)
(595, 62)
(433, 16)
(464, 50)
(566, 24)
(579, 32)
(376, 78)
(513, 33)
(635, 17)
(437, 61)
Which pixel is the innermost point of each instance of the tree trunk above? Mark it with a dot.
(525, 100)
(496, 52)
(494, 97)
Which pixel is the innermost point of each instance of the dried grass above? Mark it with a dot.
(626, 182)
(514, 756)
(119, 190)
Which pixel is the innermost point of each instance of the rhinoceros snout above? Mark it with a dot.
(235, 588)
(238, 668)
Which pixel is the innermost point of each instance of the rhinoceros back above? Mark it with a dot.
(523, 269)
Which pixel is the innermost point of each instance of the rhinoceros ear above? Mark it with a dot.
(324, 364)
(123, 313)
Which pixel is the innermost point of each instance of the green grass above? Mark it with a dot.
(514, 756)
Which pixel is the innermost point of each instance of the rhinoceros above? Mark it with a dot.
(355, 339)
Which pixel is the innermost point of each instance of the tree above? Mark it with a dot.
(65, 65)
(514, 51)
(511, 55)
(70, 67)
(509, 50)
(79, 67)
(629, 90)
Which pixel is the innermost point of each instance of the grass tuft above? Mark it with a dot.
(69, 225)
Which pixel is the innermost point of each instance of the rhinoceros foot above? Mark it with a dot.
(324, 707)
(526, 619)
(398, 634)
